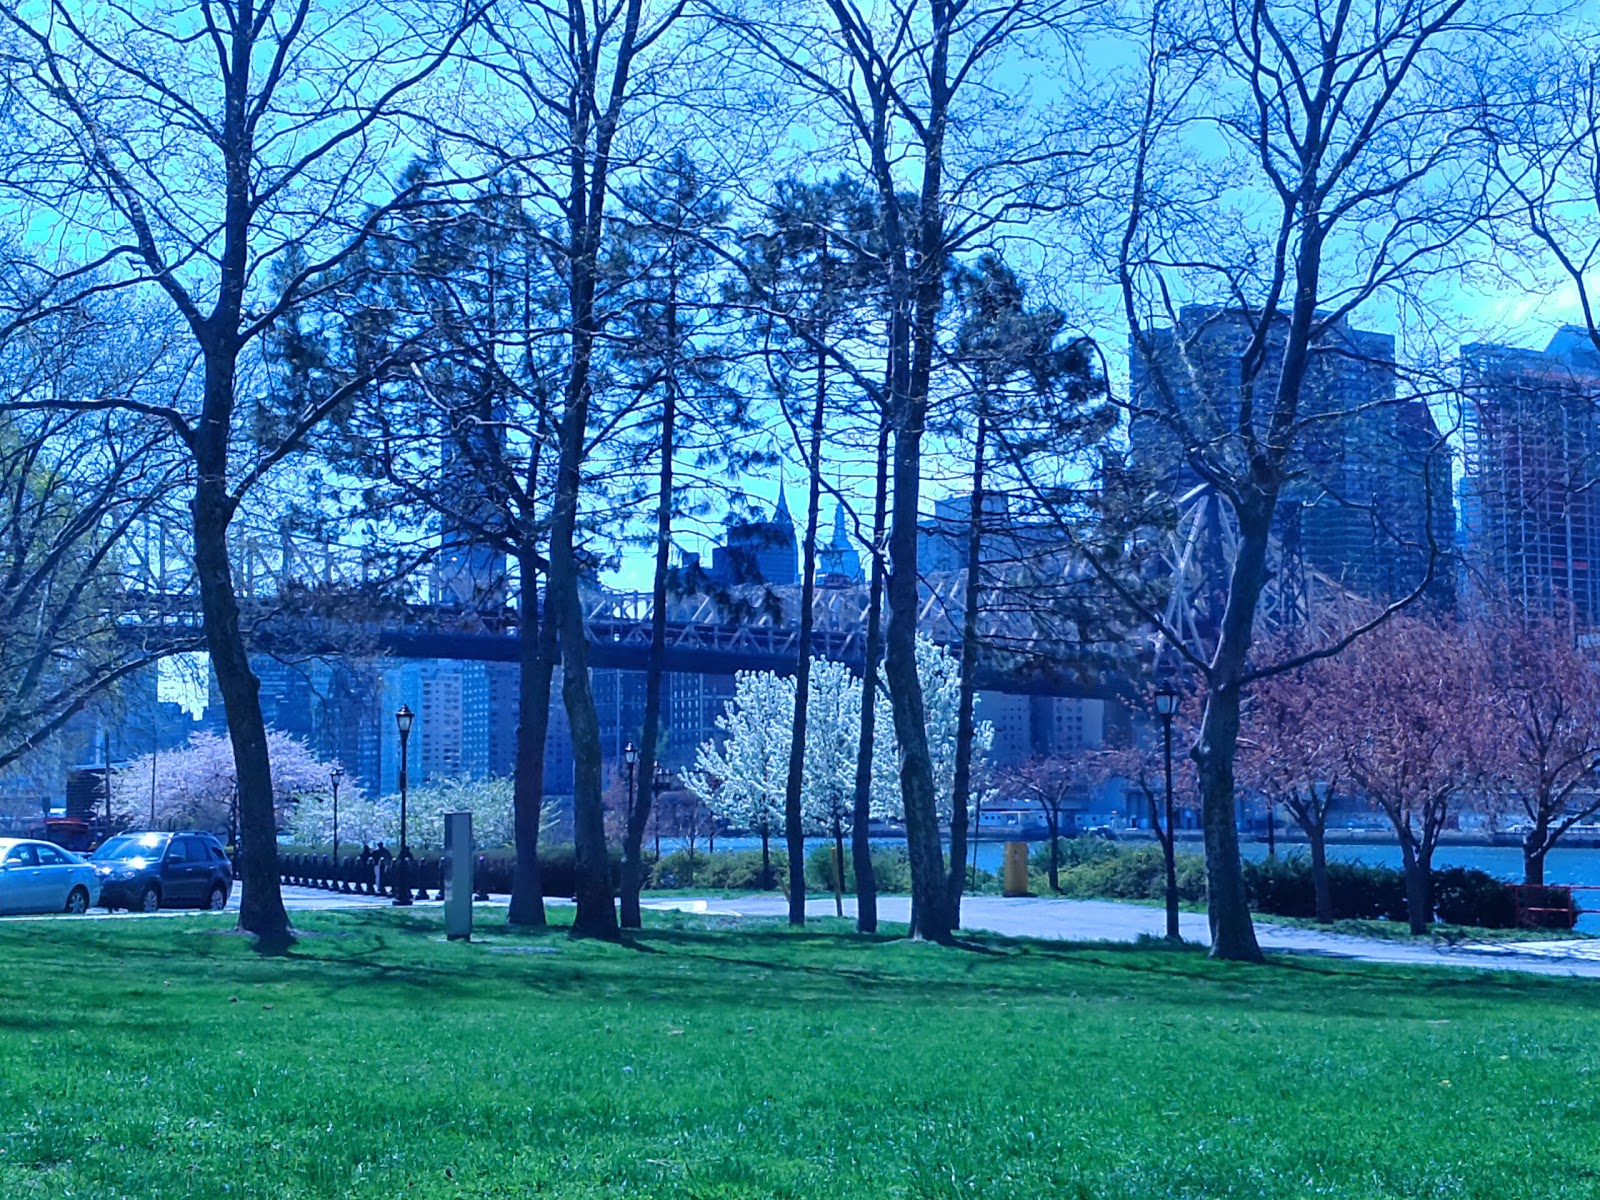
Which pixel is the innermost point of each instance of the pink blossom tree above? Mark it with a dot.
(1541, 698)
(194, 788)
(1292, 752)
(1410, 736)
(1053, 781)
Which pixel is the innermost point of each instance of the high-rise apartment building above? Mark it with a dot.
(1369, 502)
(1529, 493)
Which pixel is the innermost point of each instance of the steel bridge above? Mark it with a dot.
(298, 602)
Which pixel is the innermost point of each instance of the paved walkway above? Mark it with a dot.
(1067, 920)
(1104, 920)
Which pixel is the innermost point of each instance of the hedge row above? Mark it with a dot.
(1282, 886)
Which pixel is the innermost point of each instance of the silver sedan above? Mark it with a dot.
(41, 877)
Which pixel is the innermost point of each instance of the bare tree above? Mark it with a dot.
(588, 77)
(1542, 129)
(77, 497)
(1337, 170)
(225, 157)
(890, 82)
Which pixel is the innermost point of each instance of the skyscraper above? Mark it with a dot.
(1532, 437)
(1368, 502)
(759, 551)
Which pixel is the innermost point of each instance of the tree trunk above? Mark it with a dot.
(655, 666)
(962, 787)
(1317, 835)
(1419, 889)
(860, 830)
(793, 818)
(930, 890)
(1233, 936)
(536, 638)
(596, 914)
(766, 857)
(1534, 850)
(1052, 824)
(261, 910)
(838, 868)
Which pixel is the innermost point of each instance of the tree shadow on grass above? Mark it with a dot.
(1336, 986)
(772, 966)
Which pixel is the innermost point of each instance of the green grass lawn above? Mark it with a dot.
(164, 1058)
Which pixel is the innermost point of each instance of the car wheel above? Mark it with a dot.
(78, 901)
(218, 899)
(149, 900)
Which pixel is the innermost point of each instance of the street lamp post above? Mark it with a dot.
(1166, 709)
(630, 756)
(402, 891)
(659, 782)
(334, 775)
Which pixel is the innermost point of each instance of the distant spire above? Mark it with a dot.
(841, 536)
(782, 516)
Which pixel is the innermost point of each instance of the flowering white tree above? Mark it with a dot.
(940, 676)
(833, 734)
(362, 820)
(193, 788)
(743, 780)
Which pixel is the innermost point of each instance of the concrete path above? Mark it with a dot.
(1104, 920)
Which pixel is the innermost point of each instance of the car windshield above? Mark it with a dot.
(132, 845)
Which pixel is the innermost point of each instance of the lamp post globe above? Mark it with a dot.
(403, 719)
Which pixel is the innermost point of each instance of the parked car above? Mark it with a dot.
(149, 871)
(41, 877)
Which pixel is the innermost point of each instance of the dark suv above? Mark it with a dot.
(148, 871)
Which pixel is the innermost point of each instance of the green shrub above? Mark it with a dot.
(891, 868)
(558, 869)
(820, 873)
(1363, 892)
(1072, 852)
(981, 882)
(735, 871)
(1132, 873)
(1282, 885)
(1463, 896)
(1359, 892)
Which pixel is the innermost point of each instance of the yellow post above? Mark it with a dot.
(1014, 878)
